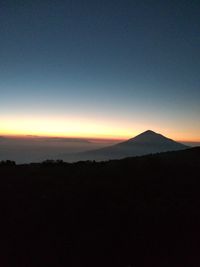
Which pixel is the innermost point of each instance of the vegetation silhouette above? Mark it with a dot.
(7, 163)
(141, 211)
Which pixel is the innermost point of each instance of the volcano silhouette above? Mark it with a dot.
(145, 143)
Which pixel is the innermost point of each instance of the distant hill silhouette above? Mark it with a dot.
(140, 211)
(145, 143)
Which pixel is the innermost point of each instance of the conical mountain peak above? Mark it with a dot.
(148, 135)
(148, 142)
(149, 132)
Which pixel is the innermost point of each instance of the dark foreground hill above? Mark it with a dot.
(142, 211)
(145, 143)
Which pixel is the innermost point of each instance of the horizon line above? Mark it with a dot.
(114, 138)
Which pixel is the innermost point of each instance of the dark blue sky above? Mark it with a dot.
(123, 66)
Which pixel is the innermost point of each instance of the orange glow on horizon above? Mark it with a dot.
(84, 128)
(65, 127)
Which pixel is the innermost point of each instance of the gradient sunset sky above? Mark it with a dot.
(100, 68)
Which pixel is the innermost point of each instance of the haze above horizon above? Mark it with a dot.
(100, 69)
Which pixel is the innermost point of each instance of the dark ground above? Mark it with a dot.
(141, 211)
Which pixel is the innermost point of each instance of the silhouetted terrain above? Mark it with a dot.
(142, 211)
(145, 143)
(29, 149)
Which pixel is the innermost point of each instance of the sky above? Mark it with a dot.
(109, 69)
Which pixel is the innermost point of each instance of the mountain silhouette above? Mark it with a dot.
(148, 142)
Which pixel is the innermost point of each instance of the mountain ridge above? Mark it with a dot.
(148, 142)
